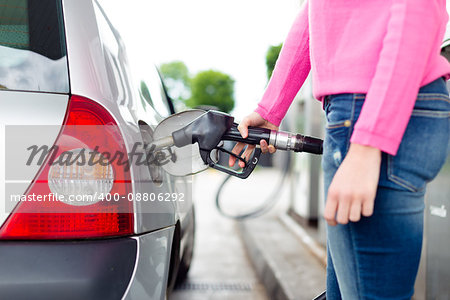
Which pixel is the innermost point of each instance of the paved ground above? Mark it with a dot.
(221, 268)
(287, 269)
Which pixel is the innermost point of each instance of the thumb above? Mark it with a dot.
(243, 127)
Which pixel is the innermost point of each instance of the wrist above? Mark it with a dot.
(365, 151)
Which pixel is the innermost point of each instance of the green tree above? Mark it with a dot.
(271, 58)
(212, 88)
(177, 80)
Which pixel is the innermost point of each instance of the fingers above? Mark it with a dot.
(352, 192)
(342, 210)
(355, 211)
(243, 127)
(246, 155)
(236, 150)
(254, 119)
(331, 209)
(265, 148)
(367, 208)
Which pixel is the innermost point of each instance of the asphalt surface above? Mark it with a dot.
(221, 268)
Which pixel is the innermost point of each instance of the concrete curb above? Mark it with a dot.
(285, 266)
(311, 244)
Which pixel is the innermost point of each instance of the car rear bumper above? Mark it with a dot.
(90, 269)
(66, 270)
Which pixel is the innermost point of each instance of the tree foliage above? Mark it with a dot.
(212, 88)
(176, 70)
(177, 80)
(271, 58)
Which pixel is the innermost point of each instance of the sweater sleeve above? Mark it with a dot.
(407, 46)
(292, 68)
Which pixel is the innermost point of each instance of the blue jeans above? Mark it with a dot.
(378, 257)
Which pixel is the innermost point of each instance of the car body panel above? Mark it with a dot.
(89, 269)
(99, 71)
(18, 112)
(75, 270)
(152, 266)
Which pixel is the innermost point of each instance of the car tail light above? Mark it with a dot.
(80, 178)
(105, 209)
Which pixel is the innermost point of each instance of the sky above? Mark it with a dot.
(229, 36)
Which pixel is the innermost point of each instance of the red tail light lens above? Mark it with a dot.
(91, 129)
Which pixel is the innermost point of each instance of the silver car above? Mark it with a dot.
(86, 210)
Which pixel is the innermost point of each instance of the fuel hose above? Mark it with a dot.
(268, 203)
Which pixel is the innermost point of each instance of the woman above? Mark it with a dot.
(377, 69)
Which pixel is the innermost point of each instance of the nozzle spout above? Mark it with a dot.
(161, 143)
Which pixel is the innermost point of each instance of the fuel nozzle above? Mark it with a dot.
(295, 142)
(281, 140)
(209, 129)
(161, 143)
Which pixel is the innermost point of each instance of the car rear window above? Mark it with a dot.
(32, 46)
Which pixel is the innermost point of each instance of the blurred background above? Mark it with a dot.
(221, 54)
(230, 37)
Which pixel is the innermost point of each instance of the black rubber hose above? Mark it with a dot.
(267, 204)
(265, 207)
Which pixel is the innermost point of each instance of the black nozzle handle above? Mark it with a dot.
(255, 135)
(244, 173)
(280, 139)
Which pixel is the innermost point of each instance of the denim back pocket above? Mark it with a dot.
(423, 149)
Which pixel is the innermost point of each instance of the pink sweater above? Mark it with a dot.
(385, 49)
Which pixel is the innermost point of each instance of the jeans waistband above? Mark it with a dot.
(438, 86)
